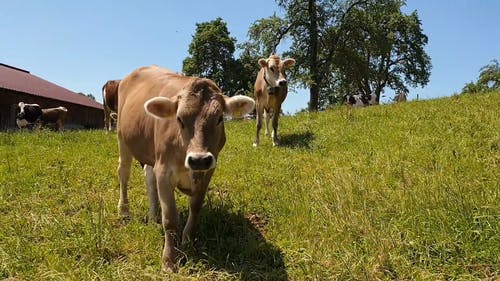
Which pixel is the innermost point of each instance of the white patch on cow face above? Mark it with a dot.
(275, 70)
(21, 123)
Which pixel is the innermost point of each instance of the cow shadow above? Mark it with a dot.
(301, 140)
(231, 242)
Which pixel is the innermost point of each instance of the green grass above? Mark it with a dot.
(405, 192)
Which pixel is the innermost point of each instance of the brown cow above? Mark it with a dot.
(401, 96)
(270, 91)
(34, 114)
(110, 102)
(174, 124)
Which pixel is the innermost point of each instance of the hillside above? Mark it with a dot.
(403, 191)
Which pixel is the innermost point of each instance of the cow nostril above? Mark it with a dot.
(203, 162)
(282, 83)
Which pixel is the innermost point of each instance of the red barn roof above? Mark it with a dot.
(20, 80)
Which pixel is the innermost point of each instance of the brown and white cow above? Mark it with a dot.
(270, 91)
(401, 96)
(110, 102)
(35, 115)
(174, 124)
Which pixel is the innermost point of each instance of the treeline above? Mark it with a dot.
(341, 47)
(488, 81)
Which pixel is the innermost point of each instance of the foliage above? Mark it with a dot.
(489, 79)
(380, 47)
(403, 191)
(90, 96)
(346, 47)
(211, 54)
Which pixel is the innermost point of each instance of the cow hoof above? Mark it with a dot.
(255, 144)
(170, 267)
(123, 209)
(275, 144)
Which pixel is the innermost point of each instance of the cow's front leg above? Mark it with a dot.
(200, 182)
(169, 217)
(124, 164)
(276, 117)
(267, 117)
(260, 112)
(154, 204)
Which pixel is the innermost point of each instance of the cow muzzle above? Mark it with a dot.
(200, 161)
(282, 83)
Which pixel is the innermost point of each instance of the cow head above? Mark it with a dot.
(28, 113)
(274, 71)
(199, 112)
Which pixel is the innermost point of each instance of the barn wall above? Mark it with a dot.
(79, 116)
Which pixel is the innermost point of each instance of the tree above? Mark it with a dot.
(489, 76)
(90, 96)
(489, 79)
(347, 46)
(211, 55)
(381, 47)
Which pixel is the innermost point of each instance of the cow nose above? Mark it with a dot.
(200, 162)
(282, 83)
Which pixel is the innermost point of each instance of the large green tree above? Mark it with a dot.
(307, 24)
(347, 46)
(380, 47)
(211, 55)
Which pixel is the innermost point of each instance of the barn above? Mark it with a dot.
(18, 85)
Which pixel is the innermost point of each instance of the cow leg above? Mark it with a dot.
(107, 119)
(201, 181)
(59, 125)
(169, 218)
(260, 112)
(124, 164)
(276, 116)
(154, 204)
(267, 116)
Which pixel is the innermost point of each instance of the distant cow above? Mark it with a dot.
(360, 100)
(401, 97)
(34, 114)
(110, 102)
(270, 91)
(174, 124)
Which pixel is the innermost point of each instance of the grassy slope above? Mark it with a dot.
(406, 191)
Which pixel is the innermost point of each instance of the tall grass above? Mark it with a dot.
(405, 191)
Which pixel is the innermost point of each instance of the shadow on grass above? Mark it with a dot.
(230, 242)
(301, 140)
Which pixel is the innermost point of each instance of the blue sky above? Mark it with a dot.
(81, 44)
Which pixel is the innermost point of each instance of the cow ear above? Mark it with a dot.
(239, 105)
(161, 107)
(288, 63)
(263, 63)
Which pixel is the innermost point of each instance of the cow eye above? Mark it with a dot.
(221, 118)
(180, 123)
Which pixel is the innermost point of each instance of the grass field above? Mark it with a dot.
(394, 192)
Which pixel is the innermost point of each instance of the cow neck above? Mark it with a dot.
(270, 89)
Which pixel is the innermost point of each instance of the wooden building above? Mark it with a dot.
(18, 85)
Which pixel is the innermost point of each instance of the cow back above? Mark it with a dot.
(110, 94)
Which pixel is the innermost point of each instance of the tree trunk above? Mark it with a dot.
(313, 57)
